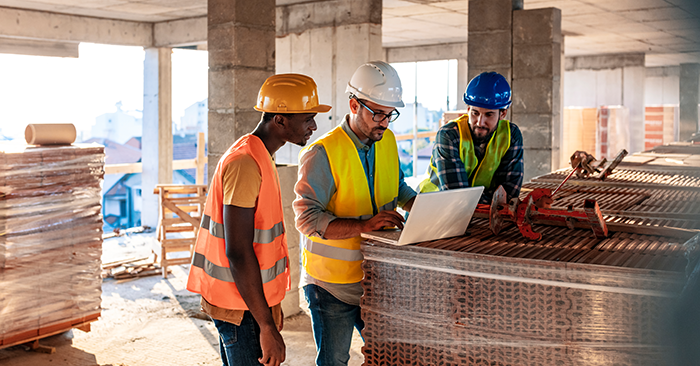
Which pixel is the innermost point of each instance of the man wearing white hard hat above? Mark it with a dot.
(349, 182)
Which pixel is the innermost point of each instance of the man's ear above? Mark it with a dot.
(354, 105)
(279, 121)
(503, 114)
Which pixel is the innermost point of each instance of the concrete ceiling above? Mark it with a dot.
(667, 31)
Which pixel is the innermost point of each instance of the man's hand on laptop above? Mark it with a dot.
(382, 220)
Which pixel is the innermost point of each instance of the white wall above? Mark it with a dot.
(592, 88)
(662, 86)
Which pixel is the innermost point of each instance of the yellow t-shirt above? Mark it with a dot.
(241, 181)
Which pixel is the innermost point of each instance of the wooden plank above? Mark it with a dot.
(183, 215)
(47, 331)
(191, 200)
(201, 159)
(178, 229)
(188, 208)
(178, 242)
(174, 221)
(175, 249)
(178, 261)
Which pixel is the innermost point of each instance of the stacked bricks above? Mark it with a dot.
(503, 300)
(568, 299)
(658, 126)
(50, 239)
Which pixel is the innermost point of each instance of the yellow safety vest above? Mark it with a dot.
(339, 261)
(481, 173)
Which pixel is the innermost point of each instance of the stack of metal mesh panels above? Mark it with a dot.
(569, 299)
(50, 239)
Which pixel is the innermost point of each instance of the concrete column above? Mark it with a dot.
(537, 87)
(633, 82)
(288, 177)
(490, 27)
(462, 81)
(241, 44)
(157, 140)
(327, 40)
(689, 100)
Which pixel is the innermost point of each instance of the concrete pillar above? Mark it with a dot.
(633, 82)
(537, 87)
(689, 100)
(288, 177)
(327, 40)
(157, 140)
(490, 27)
(462, 81)
(241, 44)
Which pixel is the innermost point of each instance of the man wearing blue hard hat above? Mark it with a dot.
(480, 148)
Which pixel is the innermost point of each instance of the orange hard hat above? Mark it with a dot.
(289, 93)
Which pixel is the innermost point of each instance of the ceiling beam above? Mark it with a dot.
(181, 32)
(444, 51)
(47, 26)
(31, 47)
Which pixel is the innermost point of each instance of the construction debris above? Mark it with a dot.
(133, 268)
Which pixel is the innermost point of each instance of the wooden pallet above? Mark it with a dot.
(181, 210)
(82, 323)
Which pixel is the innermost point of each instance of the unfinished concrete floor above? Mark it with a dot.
(149, 321)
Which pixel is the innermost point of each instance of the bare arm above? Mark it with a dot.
(239, 230)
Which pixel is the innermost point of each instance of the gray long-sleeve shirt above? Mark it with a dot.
(314, 190)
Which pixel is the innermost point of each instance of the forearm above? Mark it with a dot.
(246, 274)
(239, 230)
(344, 229)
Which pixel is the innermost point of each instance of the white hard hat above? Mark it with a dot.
(377, 82)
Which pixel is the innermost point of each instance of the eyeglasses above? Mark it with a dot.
(379, 116)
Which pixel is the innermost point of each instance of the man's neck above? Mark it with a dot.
(272, 143)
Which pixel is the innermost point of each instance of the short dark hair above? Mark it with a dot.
(268, 116)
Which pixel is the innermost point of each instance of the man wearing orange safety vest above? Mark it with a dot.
(240, 264)
(349, 182)
(480, 148)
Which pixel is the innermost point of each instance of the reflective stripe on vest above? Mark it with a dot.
(339, 261)
(224, 273)
(481, 173)
(261, 236)
(210, 273)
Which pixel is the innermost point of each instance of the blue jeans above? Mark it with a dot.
(332, 322)
(239, 345)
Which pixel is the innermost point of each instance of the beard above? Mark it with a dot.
(482, 137)
(377, 131)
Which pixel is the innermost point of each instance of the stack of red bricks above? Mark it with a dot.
(50, 239)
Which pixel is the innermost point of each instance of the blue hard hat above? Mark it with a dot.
(488, 90)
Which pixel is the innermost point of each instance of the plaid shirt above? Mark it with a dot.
(451, 171)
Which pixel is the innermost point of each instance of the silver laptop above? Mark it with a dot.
(434, 215)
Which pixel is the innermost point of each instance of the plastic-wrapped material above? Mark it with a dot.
(50, 239)
(481, 299)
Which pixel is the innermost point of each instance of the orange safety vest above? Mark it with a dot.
(210, 273)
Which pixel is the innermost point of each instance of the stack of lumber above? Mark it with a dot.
(50, 239)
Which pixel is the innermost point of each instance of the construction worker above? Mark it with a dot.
(480, 148)
(240, 264)
(349, 182)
